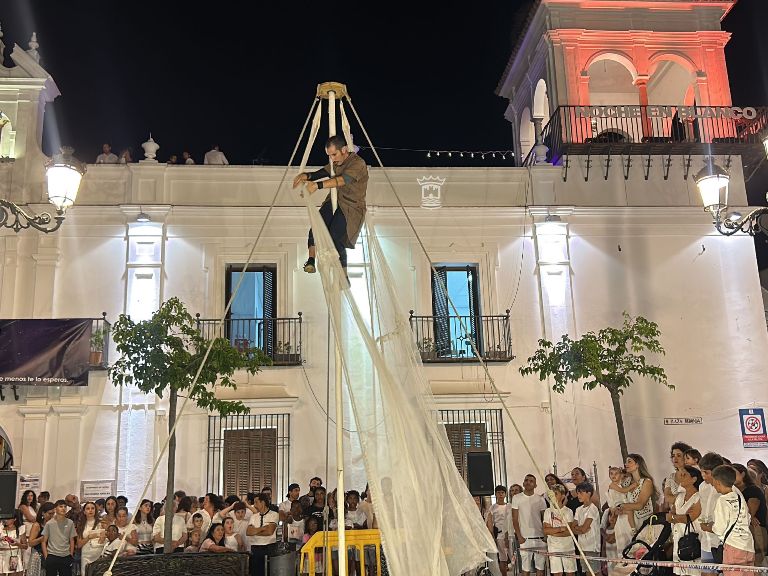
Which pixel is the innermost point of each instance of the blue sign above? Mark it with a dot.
(753, 432)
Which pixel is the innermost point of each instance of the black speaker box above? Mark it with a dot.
(480, 473)
(9, 480)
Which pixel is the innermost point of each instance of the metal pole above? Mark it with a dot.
(340, 525)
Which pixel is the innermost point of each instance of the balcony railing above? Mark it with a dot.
(444, 338)
(279, 338)
(650, 130)
(100, 343)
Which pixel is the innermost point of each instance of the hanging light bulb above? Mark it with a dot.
(429, 154)
(494, 154)
(472, 155)
(482, 157)
(450, 154)
(438, 153)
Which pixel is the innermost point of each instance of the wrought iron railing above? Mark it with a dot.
(450, 338)
(279, 338)
(633, 129)
(100, 343)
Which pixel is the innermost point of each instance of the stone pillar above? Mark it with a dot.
(67, 451)
(642, 89)
(556, 300)
(8, 280)
(46, 259)
(33, 445)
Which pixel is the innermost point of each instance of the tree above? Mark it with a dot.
(163, 355)
(609, 359)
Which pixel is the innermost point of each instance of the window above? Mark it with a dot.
(247, 452)
(476, 431)
(463, 288)
(465, 438)
(249, 460)
(250, 320)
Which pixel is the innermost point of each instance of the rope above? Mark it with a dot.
(180, 412)
(472, 343)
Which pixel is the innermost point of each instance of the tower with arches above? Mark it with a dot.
(614, 53)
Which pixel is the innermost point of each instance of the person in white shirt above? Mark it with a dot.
(731, 522)
(677, 456)
(187, 158)
(556, 521)
(261, 533)
(215, 156)
(587, 524)
(106, 156)
(708, 497)
(687, 508)
(495, 521)
(178, 529)
(294, 491)
(527, 510)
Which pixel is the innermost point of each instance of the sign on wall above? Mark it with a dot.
(683, 421)
(92, 490)
(29, 482)
(45, 352)
(753, 432)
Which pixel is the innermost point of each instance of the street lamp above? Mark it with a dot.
(63, 175)
(712, 182)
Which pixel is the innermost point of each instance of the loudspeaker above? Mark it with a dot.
(9, 481)
(480, 474)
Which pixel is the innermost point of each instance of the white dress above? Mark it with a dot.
(682, 507)
(92, 549)
(11, 557)
(231, 543)
(623, 529)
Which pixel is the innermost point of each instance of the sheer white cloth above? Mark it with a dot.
(437, 531)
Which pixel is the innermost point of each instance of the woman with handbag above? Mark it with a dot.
(684, 517)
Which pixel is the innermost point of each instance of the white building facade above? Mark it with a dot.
(628, 237)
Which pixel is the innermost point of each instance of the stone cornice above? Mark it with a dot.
(34, 412)
(72, 411)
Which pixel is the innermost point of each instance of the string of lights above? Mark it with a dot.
(432, 152)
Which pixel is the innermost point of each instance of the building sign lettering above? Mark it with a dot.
(683, 112)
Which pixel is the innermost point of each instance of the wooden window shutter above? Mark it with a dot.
(464, 438)
(249, 460)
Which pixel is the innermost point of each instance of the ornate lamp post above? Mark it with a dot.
(712, 182)
(63, 175)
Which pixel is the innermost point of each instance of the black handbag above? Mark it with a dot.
(689, 545)
(717, 551)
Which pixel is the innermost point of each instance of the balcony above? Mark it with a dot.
(279, 338)
(654, 130)
(100, 343)
(443, 339)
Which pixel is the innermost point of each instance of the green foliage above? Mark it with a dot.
(166, 352)
(609, 358)
(97, 339)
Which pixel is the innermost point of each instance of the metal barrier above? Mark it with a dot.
(357, 539)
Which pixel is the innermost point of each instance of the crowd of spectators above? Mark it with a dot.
(718, 501)
(214, 157)
(722, 502)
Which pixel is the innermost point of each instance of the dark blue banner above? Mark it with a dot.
(45, 352)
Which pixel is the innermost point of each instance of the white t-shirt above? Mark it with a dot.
(558, 519)
(498, 511)
(215, 157)
(355, 517)
(295, 530)
(708, 497)
(177, 530)
(257, 520)
(590, 541)
(285, 506)
(529, 509)
(726, 510)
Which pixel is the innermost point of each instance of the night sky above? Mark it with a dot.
(422, 74)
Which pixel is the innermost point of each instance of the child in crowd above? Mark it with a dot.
(356, 518)
(113, 541)
(587, 525)
(294, 525)
(559, 539)
(692, 457)
(621, 485)
(731, 522)
(194, 542)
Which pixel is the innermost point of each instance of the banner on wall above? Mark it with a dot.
(753, 432)
(45, 352)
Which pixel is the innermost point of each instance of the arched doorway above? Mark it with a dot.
(612, 83)
(541, 101)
